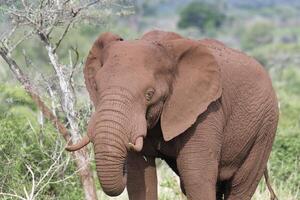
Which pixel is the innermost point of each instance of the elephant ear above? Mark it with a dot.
(197, 84)
(95, 61)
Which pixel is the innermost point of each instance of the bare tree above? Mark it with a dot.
(40, 19)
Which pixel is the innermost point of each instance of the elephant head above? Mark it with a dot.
(134, 85)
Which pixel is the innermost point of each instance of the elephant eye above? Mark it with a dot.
(149, 94)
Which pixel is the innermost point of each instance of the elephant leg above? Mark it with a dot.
(246, 179)
(199, 180)
(141, 177)
(199, 155)
(198, 167)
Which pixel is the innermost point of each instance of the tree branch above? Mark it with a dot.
(62, 36)
(24, 80)
(12, 195)
(75, 12)
(73, 64)
(20, 41)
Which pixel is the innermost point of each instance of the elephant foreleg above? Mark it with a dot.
(199, 156)
(199, 177)
(198, 168)
(142, 178)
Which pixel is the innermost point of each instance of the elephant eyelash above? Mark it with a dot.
(149, 94)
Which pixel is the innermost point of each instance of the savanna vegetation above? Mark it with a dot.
(32, 156)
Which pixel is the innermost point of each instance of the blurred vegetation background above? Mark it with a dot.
(268, 30)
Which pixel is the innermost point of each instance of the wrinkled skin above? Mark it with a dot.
(209, 111)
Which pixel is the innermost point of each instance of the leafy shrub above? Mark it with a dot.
(24, 143)
(285, 156)
(257, 34)
(201, 15)
(14, 96)
(285, 161)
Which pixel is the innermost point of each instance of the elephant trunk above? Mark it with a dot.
(113, 134)
(110, 159)
(110, 142)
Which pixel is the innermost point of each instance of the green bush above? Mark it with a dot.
(201, 15)
(287, 87)
(285, 161)
(285, 157)
(258, 34)
(14, 96)
(23, 143)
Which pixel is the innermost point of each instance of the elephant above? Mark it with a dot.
(209, 111)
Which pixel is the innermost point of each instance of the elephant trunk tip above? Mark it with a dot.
(116, 187)
(82, 143)
(113, 193)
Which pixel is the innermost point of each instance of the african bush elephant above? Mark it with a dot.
(209, 111)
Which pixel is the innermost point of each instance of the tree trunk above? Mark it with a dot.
(68, 103)
(85, 174)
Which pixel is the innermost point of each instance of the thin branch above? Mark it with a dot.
(77, 55)
(3, 49)
(9, 34)
(36, 188)
(63, 35)
(47, 174)
(75, 13)
(12, 195)
(31, 127)
(20, 16)
(25, 6)
(26, 193)
(29, 34)
(51, 94)
(50, 168)
(73, 64)
(65, 3)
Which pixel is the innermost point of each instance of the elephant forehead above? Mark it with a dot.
(134, 52)
(123, 74)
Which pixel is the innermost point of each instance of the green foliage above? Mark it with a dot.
(285, 161)
(272, 56)
(14, 96)
(288, 90)
(169, 182)
(258, 34)
(202, 15)
(285, 156)
(24, 142)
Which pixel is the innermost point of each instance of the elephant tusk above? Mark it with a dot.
(82, 143)
(138, 144)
